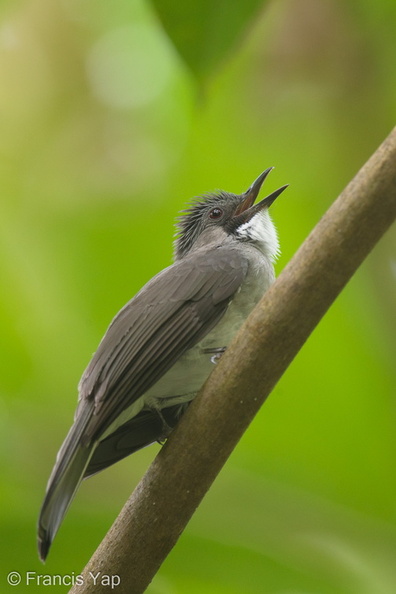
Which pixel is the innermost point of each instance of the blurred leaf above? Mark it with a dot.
(204, 32)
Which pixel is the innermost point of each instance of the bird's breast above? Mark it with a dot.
(194, 366)
(259, 278)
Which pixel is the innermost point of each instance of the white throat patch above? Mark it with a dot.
(261, 231)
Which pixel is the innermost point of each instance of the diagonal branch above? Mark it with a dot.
(165, 499)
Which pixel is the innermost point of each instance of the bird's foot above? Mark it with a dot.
(166, 428)
(217, 352)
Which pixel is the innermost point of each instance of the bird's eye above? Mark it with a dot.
(215, 214)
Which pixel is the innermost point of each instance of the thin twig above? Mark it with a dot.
(174, 485)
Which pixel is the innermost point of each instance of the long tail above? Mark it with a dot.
(69, 469)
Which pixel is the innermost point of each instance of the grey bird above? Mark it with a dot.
(161, 347)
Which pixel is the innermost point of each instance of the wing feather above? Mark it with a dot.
(170, 315)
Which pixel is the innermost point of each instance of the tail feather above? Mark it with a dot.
(63, 483)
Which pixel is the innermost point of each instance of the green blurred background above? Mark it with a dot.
(113, 114)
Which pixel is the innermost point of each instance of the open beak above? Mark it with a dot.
(247, 208)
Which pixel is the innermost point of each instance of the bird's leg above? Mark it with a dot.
(218, 351)
(166, 428)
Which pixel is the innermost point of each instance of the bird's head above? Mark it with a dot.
(215, 218)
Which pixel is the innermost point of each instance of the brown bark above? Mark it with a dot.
(172, 488)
